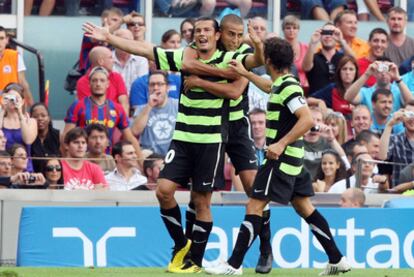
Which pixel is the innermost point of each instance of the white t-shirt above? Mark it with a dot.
(340, 186)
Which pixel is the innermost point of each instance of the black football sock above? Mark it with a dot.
(201, 232)
(264, 235)
(320, 229)
(172, 221)
(190, 217)
(249, 230)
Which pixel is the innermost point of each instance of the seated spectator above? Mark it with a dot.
(406, 67)
(155, 121)
(110, 18)
(79, 174)
(352, 198)
(385, 73)
(45, 9)
(129, 66)
(259, 25)
(18, 158)
(367, 8)
(337, 122)
(17, 125)
(360, 120)
(382, 106)
(98, 109)
(367, 182)
(320, 66)
(397, 148)
(136, 24)
(47, 142)
(13, 68)
(408, 77)
(186, 30)
(98, 142)
(347, 22)
(353, 149)
(331, 170)
(333, 94)
(378, 43)
(126, 175)
(406, 174)
(116, 91)
(3, 141)
(243, 6)
(320, 9)
(52, 170)
(152, 168)
(171, 39)
(371, 141)
(290, 27)
(24, 180)
(5, 166)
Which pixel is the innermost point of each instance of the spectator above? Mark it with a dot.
(333, 94)
(405, 67)
(367, 9)
(347, 22)
(3, 141)
(12, 68)
(5, 163)
(367, 182)
(208, 6)
(385, 73)
(331, 170)
(52, 170)
(47, 142)
(371, 141)
(129, 66)
(353, 149)
(186, 30)
(337, 122)
(320, 9)
(19, 159)
(398, 148)
(408, 78)
(110, 18)
(360, 120)
(171, 39)
(116, 91)
(352, 198)
(45, 9)
(382, 106)
(24, 180)
(378, 43)
(259, 25)
(155, 121)
(152, 168)
(136, 24)
(401, 46)
(79, 174)
(290, 27)
(406, 175)
(125, 176)
(98, 109)
(320, 66)
(98, 142)
(258, 122)
(17, 125)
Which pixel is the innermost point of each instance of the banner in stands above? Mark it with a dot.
(136, 237)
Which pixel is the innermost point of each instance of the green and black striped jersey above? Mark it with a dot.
(280, 120)
(202, 117)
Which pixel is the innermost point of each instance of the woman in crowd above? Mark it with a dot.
(52, 171)
(338, 123)
(47, 141)
(171, 39)
(291, 27)
(17, 125)
(19, 159)
(3, 141)
(186, 29)
(330, 171)
(333, 94)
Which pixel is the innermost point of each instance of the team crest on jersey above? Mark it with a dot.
(7, 69)
(112, 112)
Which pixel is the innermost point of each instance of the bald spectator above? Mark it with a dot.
(347, 22)
(117, 91)
(136, 24)
(352, 198)
(129, 66)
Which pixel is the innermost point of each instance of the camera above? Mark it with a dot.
(315, 128)
(32, 179)
(383, 67)
(10, 98)
(327, 32)
(409, 114)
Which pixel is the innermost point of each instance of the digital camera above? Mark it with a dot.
(383, 67)
(315, 128)
(10, 98)
(409, 114)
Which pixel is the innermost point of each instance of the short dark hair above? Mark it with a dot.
(339, 16)
(2, 29)
(380, 91)
(208, 18)
(280, 53)
(365, 136)
(168, 34)
(4, 153)
(12, 150)
(187, 20)
(231, 18)
(74, 134)
(150, 161)
(159, 72)
(119, 146)
(96, 127)
(378, 31)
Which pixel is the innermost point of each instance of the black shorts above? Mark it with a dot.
(201, 163)
(240, 146)
(277, 186)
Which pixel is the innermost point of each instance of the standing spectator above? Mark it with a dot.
(155, 121)
(352, 198)
(136, 24)
(17, 125)
(290, 27)
(126, 175)
(12, 68)
(98, 142)
(19, 159)
(52, 170)
(47, 142)
(401, 46)
(129, 66)
(116, 91)
(98, 109)
(347, 22)
(186, 30)
(79, 174)
(378, 43)
(331, 170)
(320, 66)
(333, 94)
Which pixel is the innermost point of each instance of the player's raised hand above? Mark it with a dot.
(95, 32)
(253, 35)
(238, 67)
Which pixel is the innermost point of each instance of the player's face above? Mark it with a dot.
(329, 165)
(205, 36)
(77, 148)
(3, 41)
(378, 44)
(232, 36)
(129, 156)
(97, 142)
(99, 83)
(348, 72)
(348, 25)
(173, 43)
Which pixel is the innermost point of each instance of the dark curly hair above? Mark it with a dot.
(280, 53)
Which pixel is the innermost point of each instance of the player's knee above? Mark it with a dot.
(164, 195)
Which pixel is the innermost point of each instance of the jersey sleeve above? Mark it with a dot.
(290, 91)
(122, 118)
(170, 60)
(72, 113)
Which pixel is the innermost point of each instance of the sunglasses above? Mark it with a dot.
(51, 168)
(136, 24)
